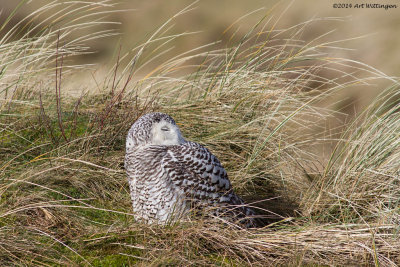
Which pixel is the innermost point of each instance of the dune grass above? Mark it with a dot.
(64, 197)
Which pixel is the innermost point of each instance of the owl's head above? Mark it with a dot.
(154, 129)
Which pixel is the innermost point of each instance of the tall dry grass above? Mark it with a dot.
(63, 193)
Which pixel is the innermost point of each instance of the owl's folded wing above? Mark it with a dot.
(199, 175)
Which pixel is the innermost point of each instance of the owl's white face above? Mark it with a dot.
(153, 129)
(166, 133)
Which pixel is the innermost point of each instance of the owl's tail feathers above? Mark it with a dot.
(250, 215)
(238, 212)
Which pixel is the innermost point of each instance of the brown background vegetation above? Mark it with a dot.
(379, 28)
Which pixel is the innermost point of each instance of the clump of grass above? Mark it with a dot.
(28, 49)
(361, 180)
(64, 198)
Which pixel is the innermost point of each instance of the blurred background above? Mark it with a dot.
(367, 35)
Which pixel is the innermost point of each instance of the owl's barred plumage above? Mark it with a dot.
(169, 176)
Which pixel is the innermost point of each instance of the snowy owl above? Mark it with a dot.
(170, 176)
